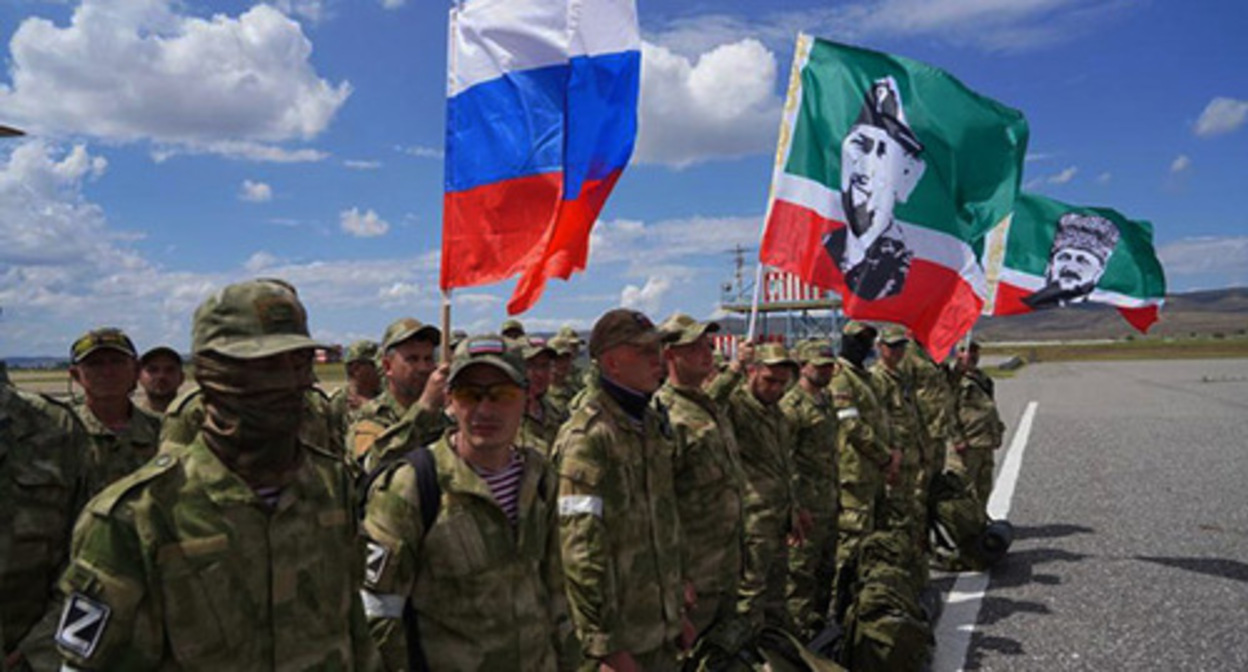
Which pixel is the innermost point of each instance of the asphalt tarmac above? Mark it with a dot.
(1131, 513)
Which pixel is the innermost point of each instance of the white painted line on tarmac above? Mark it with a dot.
(957, 620)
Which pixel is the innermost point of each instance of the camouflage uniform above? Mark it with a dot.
(812, 565)
(620, 531)
(864, 442)
(980, 424)
(116, 454)
(194, 571)
(709, 483)
(43, 457)
(936, 399)
(770, 504)
(540, 433)
(186, 415)
(419, 426)
(487, 596)
(895, 391)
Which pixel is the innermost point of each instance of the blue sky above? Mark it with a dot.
(179, 145)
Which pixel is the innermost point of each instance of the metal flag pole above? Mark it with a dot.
(446, 326)
(758, 284)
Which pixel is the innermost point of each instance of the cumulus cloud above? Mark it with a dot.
(363, 225)
(260, 261)
(666, 241)
(647, 298)
(313, 11)
(1180, 164)
(1065, 176)
(140, 71)
(1221, 115)
(255, 192)
(1220, 260)
(721, 104)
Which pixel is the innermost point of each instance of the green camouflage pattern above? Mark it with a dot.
(935, 398)
(197, 572)
(907, 500)
(540, 432)
(43, 485)
(620, 530)
(371, 421)
(185, 417)
(117, 454)
(419, 426)
(864, 440)
(886, 629)
(980, 424)
(709, 480)
(812, 564)
(770, 505)
(487, 596)
(560, 396)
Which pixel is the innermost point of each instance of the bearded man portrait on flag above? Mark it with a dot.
(1081, 249)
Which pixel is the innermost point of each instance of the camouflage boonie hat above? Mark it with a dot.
(362, 350)
(682, 329)
(105, 338)
(815, 351)
(854, 328)
(894, 335)
(511, 325)
(489, 350)
(621, 326)
(406, 328)
(251, 320)
(772, 354)
(158, 351)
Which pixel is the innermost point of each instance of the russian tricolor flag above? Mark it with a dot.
(541, 119)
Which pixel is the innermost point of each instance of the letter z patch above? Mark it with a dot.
(375, 564)
(82, 625)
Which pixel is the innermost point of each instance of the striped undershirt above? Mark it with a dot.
(505, 485)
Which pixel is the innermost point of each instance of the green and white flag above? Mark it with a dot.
(1052, 254)
(888, 171)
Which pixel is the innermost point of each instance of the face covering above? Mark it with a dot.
(855, 349)
(252, 416)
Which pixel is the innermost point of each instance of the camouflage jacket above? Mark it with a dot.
(896, 395)
(43, 462)
(978, 419)
(540, 432)
(620, 529)
(419, 426)
(344, 409)
(488, 596)
(812, 426)
(862, 426)
(114, 455)
(186, 415)
(766, 458)
(181, 566)
(561, 395)
(934, 395)
(710, 484)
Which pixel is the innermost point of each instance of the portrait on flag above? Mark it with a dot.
(1081, 249)
(880, 166)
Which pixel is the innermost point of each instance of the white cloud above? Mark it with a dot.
(313, 11)
(354, 164)
(138, 71)
(645, 246)
(260, 261)
(1180, 164)
(1216, 255)
(1221, 115)
(1065, 176)
(647, 298)
(393, 4)
(1104, 178)
(722, 104)
(255, 192)
(422, 152)
(363, 225)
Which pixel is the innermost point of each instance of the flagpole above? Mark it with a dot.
(758, 284)
(446, 325)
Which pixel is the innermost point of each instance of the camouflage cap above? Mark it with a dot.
(251, 320)
(158, 351)
(569, 334)
(105, 338)
(562, 346)
(531, 347)
(489, 350)
(894, 334)
(621, 326)
(682, 329)
(511, 324)
(406, 328)
(772, 354)
(815, 351)
(362, 350)
(854, 328)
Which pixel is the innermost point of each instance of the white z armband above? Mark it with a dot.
(847, 413)
(381, 606)
(573, 505)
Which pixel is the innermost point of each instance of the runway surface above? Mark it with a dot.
(1131, 508)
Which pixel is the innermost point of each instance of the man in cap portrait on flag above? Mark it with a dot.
(1080, 251)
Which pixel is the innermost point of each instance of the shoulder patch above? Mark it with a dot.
(375, 561)
(107, 500)
(82, 625)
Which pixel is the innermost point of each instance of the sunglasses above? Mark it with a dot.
(497, 393)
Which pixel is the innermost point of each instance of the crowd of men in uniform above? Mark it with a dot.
(504, 510)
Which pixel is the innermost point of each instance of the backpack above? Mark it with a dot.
(962, 534)
(886, 628)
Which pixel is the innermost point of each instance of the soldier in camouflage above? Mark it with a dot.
(772, 513)
(238, 551)
(363, 385)
(185, 417)
(706, 465)
(808, 408)
(160, 377)
(936, 402)
(500, 604)
(864, 443)
(618, 517)
(43, 485)
(565, 380)
(907, 502)
(415, 385)
(542, 418)
(512, 329)
(978, 422)
(123, 436)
